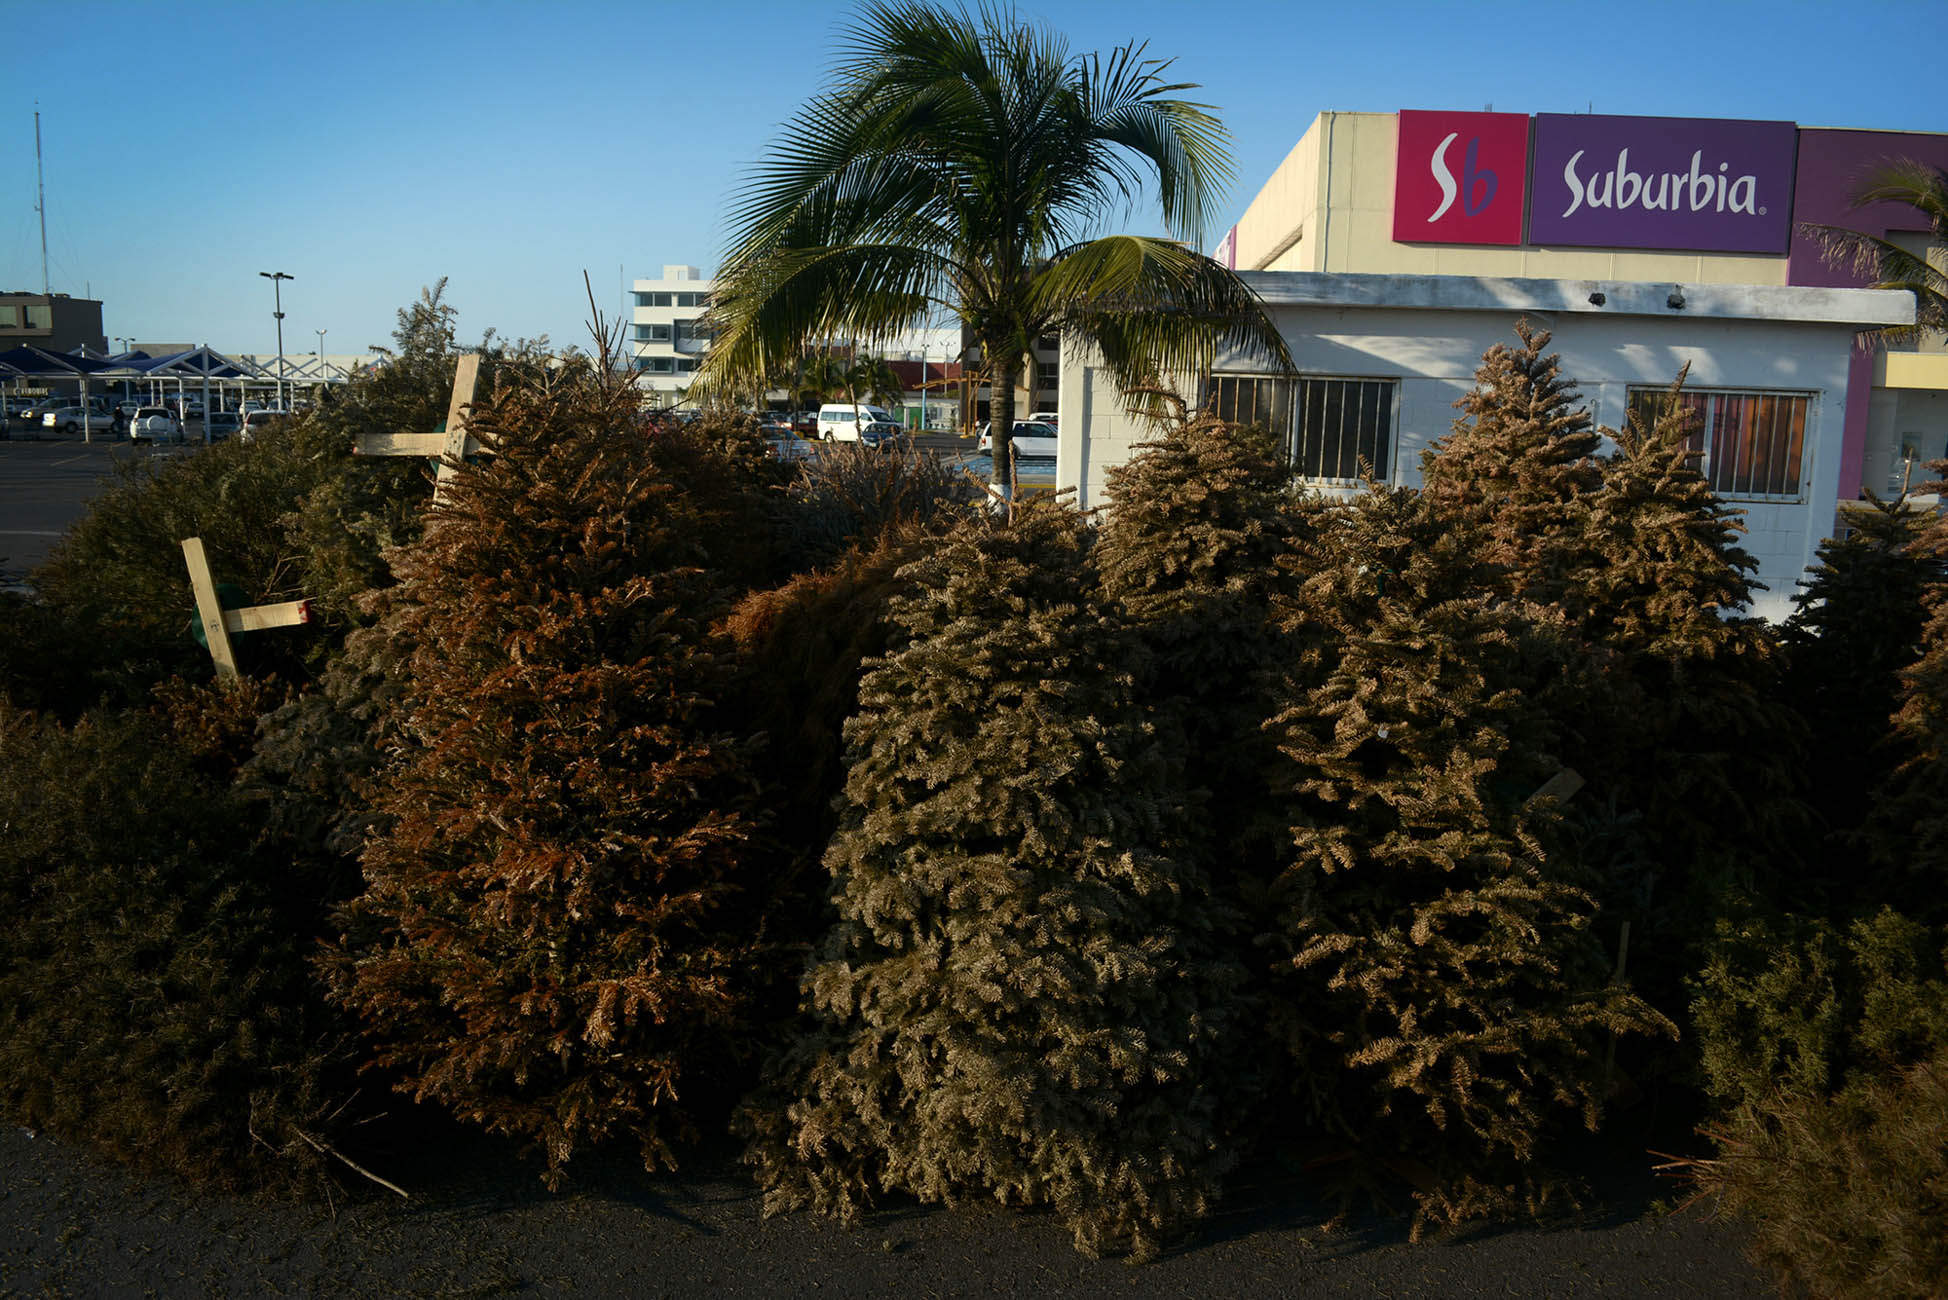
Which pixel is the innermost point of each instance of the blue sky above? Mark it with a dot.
(370, 148)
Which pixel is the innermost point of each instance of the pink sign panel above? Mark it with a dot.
(1701, 184)
(1227, 249)
(1459, 178)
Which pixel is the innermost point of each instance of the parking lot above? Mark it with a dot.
(45, 486)
(47, 480)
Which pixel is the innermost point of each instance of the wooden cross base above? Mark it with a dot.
(220, 623)
(450, 448)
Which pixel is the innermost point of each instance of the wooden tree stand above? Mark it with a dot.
(449, 449)
(219, 624)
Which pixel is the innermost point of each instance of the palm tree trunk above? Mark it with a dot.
(1005, 370)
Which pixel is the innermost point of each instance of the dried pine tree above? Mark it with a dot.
(801, 648)
(1023, 993)
(1197, 544)
(1857, 623)
(156, 1000)
(550, 942)
(1689, 736)
(1518, 469)
(1906, 831)
(1446, 1003)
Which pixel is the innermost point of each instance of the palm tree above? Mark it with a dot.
(960, 161)
(1923, 187)
(823, 374)
(875, 378)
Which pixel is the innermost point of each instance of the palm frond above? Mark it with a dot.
(1152, 306)
(963, 160)
(1885, 264)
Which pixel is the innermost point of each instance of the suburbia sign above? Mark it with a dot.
(1460, 178)
(1662, 182)
(1696, 184)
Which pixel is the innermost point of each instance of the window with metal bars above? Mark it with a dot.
(1751, 442)
(1328, 426)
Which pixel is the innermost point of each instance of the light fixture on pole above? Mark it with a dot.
(277, 299)
(323, 373)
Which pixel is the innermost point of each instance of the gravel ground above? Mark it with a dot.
(479, 1224)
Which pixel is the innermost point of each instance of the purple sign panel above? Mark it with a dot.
(1662, 182)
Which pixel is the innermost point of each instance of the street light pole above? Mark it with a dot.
(323, 373)
(277, 299)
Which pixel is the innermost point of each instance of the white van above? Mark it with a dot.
(842, 421)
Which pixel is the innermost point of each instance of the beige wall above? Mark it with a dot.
(1273, 234)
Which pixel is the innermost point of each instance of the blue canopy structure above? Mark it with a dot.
(28, 360)
(199, 363)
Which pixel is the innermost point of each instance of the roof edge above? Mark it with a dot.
(1800, 304)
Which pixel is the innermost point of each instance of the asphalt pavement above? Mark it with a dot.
(479, 1223)
(45, 486)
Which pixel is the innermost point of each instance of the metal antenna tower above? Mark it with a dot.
(40, 202)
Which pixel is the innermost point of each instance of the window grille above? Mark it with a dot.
(1751, 443)
(1328, 426)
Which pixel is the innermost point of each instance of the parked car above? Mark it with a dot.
(788, 446)
(37, 413)
(154, 424)
(882, 433)
(218, 425)
(1031, 439)
(73, 418)
(843, 421)
(256, 422)
(1044, 417)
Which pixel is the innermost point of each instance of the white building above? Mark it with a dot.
(1393, 249)
(665, 343)
(1383, 358)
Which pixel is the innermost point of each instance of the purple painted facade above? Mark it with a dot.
(1831, 166)
(1661, 182)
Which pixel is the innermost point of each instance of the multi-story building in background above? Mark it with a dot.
(666, 343)
(665, 339)
(53, 321)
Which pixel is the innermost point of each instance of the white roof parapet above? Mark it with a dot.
(1799, 303)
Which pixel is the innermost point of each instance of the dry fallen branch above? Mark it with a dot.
(325, 1148)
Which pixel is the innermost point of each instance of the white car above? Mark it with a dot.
(789, 447)
(72, 419)
(256, 422)
(154, 424)
(843, 421)
(1031, 439)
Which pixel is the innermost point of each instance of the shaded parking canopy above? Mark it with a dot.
(197, 363)
(27, 360)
